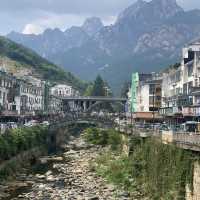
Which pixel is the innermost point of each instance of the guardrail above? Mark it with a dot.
(95, 98)
(187, 138)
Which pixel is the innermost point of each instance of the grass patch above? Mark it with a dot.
(103, 137)
(152, 170)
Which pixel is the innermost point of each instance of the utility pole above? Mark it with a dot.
(154, 105)
(119, 121)
(131, 119)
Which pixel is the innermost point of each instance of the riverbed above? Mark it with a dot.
(67, 176)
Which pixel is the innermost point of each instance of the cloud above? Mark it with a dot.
(32, 29)
(66, 6)
(36, 15)
(62, 21)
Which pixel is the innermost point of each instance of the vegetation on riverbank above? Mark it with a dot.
(18, 140)
(104, 137)
(19, 147)
(152, 170)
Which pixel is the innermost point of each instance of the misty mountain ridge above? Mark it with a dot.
(146, 36)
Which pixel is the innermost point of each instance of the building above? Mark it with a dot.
(55, 105)
(29, 97)
(7, 93)
(62, 90)
(145, 97)
(181, 87)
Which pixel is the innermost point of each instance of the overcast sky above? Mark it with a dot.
(33, 16)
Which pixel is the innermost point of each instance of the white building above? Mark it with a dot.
(29, 97)
(181, 85)
(62, 90)
(7, 90)
(147, 97)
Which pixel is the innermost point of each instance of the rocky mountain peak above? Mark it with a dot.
(154, 10)
(169, 8)
(132, 10)
(92, 25)
(55, 31)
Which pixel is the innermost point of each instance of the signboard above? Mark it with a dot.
(134, 85)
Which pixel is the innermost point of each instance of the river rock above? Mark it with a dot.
(69, 177)
(39, 176)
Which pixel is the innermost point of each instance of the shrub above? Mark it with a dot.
(155, 170)
(114, 139)
(103, 137)
(21, 139)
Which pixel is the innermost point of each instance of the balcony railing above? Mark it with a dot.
(195, 91)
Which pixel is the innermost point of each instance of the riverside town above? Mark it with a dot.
(100, 108)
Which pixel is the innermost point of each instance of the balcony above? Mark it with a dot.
(170, 111)
(195, 91)
(184, 100)
(9, 113)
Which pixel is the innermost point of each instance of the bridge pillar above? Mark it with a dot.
(79, 106)
(84, 106)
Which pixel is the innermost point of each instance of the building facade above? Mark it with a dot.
(175, 93)
(7, 92)
(27, 96)
(145, 96)
(181, 86)
(62, 90)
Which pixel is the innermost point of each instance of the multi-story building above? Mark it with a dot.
(181, 87)
(145, 96)
(29, 97)
(55, 105)
(7, 92)
(62, 90)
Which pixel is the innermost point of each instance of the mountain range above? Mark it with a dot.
(147, 36)
(20, 61)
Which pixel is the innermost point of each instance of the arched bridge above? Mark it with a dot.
(86, 104)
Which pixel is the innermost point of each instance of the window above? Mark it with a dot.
(158, 98)
(190, 57)
(178, 76)
(151, 100)
(190, 69)
(190, 84)
(151, 89)
(185, 88)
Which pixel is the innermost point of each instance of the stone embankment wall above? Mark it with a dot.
(195, 194)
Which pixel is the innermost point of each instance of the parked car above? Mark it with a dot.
(31, 123)
(93, 114)
(45, 123)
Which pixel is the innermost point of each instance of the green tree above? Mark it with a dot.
(125, 89)
(99, 87)
(89, 90)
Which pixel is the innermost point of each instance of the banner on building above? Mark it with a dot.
(134, 85)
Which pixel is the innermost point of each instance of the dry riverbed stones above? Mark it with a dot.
(71, 178)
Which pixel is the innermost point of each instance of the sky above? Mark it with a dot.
(34, 16)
